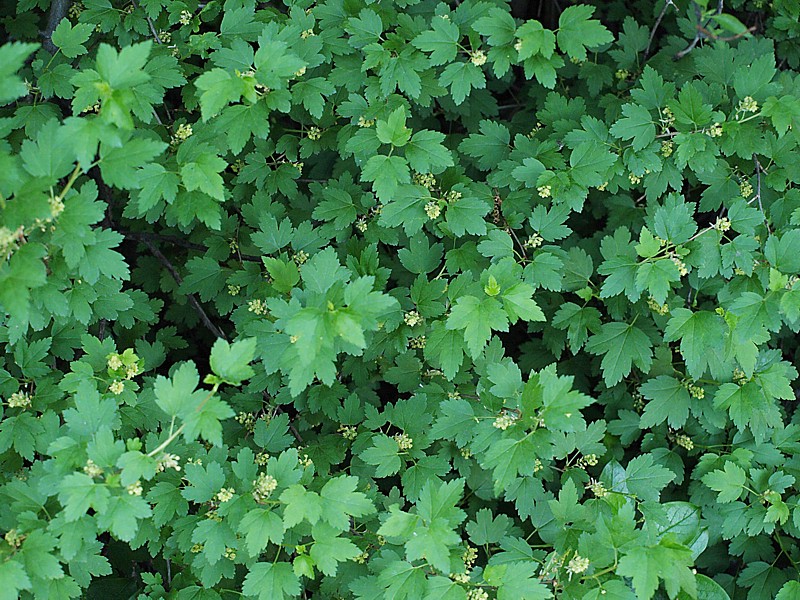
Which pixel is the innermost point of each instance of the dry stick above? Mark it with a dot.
(149, 22)
(700, 29)
(655, 26)
(192, 300)
(172, 239)
(58, 10)
(278, 410)
(759, 170)
(203, 316)
(516, 239)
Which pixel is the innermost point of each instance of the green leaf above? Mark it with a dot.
(646, 479)
(455, 421)
(730, 23)
(231, 362)
(275, 64)
(271, 581)
(784, 112)
(578, 321)
(78, 492)
(791, 589)
(515, 580)
(205, 481)
(441, 41)
(126, 68)
(284, 274)
(383, 454)
(445, 348)
(577, 31)
(156, 184)
(701, 335)
(669, 562)
(261, 526)
(461, 78)
(419, 256)
(122, 166)
(204, 418)
(121, 516)
(689, 109)
(479, 317)
(636, 125)
(203, 174)
(497, 26)
(535, 39)
(13, 579)
(364, 29)
(386, 173)
(486, 528)
(337, 207)
(668, 400)
(549, 222)
(393, 130)
(341, 501)
(301, 505)
(70, 39)
(426, 154)
(466, 215)
(12, 57)
(311, 93)
(329, 549)
(749, 408)
(219, 88)
(728, 482)
(622, 345)
(657, 277)
(176, 395)
(489, 147)
(519, 304)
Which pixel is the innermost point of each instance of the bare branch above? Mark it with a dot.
(759, 170)
(655, 26)
(173, 239)
(149, 22)
(58, 10)
(701, 29)
(192, 300)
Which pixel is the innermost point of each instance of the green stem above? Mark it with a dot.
(70, 182)
(172, 435)
(167, 442)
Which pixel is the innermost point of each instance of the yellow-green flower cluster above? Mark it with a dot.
(578, 564)
(660, 309)
(597, 488)
(478, 58)
(91, 469)
(433, 210)
(19, 400)
(225, 494)
(404, 441)
(263, 487)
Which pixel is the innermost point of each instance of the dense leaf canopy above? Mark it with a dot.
(399, 299)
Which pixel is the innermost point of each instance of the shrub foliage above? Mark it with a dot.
(399, 299)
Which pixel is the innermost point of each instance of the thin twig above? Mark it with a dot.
(173, 239)
(149, 22)
(516, 239)
(192, 300)
(655, 26)
(278, 410)
(759, 170)
(700, 29)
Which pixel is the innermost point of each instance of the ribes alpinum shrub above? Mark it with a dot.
(399, 299)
